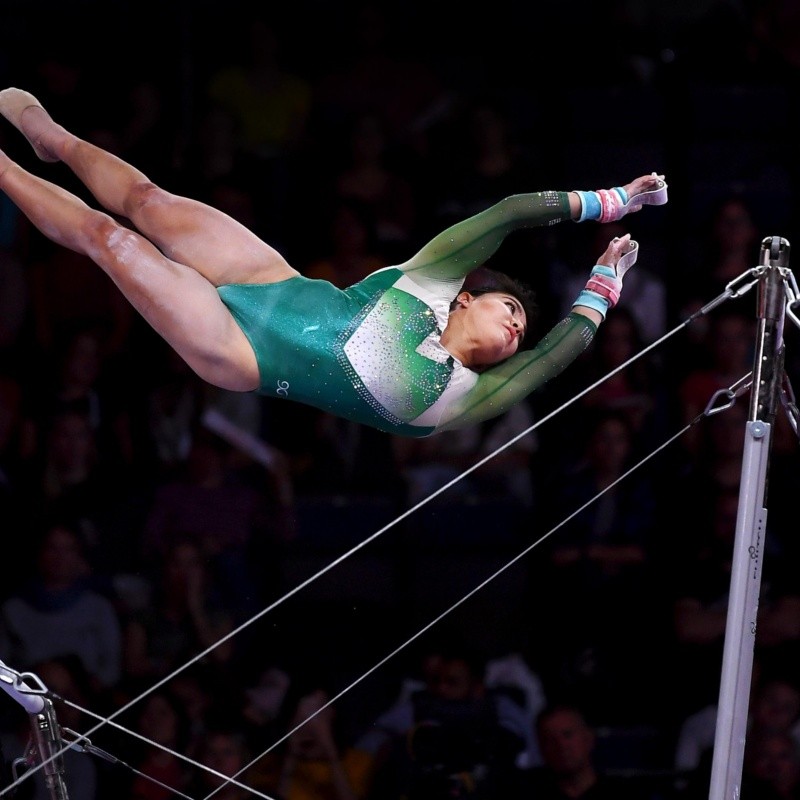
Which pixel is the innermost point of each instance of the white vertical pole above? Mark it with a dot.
(740, 630)
(745, 585)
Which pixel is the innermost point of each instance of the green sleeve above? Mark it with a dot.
(504, 385)
(454, 253)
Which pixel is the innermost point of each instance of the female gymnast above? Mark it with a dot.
(405, 350)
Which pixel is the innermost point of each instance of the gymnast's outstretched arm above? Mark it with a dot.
(451, 255)
(503, 385)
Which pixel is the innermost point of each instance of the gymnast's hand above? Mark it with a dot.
(610, 205)
(617, 247)
(645, 183)
(604, 286)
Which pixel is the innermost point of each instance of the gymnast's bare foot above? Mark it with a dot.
(14, 103)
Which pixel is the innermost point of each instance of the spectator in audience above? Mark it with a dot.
(773, 758)
(567, 742)
(58, 612)
(771, 770)
(185, 616)
(774, 708)
(69, 479)
(82, 379)
(726, 247)
(314, 763)
(225, 752)
(162, 722)
(455, 735)
(234, 512)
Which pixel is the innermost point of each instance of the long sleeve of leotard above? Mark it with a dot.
(504, 385)
(449, 257)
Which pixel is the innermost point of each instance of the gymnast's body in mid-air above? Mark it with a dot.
(405, 350)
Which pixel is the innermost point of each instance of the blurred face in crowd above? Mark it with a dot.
(566, 741)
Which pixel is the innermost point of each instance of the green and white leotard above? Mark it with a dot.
(372, 352)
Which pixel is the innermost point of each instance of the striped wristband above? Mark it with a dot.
(604, 205)
(601, 291)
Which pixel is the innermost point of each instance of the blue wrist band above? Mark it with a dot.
(622, 193)
(592, 300)
(590, 206)
(602, 269)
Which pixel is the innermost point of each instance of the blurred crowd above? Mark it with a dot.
(146, 544)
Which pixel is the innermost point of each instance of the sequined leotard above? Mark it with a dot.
(372, 352)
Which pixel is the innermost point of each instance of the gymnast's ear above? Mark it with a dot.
(462, 300)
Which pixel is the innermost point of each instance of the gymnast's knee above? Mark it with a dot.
(104, 238)
(144, 195)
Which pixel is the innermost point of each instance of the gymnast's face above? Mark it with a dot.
(492, 327)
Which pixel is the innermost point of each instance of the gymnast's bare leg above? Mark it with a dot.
(169, 267)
